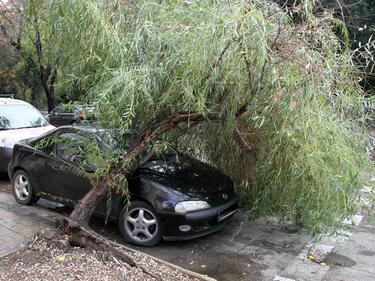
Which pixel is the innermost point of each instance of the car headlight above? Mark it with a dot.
(188, 206)
(7, 142)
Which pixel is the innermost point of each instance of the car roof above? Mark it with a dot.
(86, 129)
(8, 101)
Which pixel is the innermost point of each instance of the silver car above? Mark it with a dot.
(18, 120)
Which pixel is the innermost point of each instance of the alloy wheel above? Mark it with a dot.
(22, 187)
(141, 224)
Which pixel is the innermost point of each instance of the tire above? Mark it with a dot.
(140, 225)
(22, 187)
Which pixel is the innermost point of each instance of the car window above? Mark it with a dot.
(69, 147)
(57, 109)
(19, 117)
(112, 140)
(44, 145)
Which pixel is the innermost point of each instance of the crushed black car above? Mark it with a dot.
(174, 197)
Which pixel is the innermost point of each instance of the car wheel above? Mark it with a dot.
(22, 188)
(140, 225)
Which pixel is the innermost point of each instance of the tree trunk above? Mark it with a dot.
(51, 86)
(85, 207)
(33, 95)
(48, 76)
(50, 102)
(49, 90)
(48, 73)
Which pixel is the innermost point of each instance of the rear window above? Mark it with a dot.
(19, 117)
(67, 108)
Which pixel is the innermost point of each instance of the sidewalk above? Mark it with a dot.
(19, 224)
(354, 260)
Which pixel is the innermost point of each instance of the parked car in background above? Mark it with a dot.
(18, 120)
(68, 114)
(173, 196)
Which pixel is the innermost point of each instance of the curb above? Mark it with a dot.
(179, 268)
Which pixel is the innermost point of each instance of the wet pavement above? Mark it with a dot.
(256, 250)
(19, 224)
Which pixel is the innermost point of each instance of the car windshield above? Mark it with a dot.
(19, 117)
(170, 162)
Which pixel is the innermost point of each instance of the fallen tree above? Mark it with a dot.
(272, 101)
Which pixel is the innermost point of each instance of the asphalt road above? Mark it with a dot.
(255, 250)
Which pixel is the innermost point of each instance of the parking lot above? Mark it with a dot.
(240, 251)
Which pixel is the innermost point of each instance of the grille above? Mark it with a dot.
(227, 212)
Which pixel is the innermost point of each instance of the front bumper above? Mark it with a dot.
(5, 156)
(202, 222)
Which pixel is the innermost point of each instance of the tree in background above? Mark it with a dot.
(33, 65)
(7, 77)
(359, 17)
(9, 44)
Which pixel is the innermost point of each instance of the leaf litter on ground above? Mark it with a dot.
(52, 260)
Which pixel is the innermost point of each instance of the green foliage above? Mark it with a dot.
(359, 16)
(7, 76)
(296, 152)
(19, 75)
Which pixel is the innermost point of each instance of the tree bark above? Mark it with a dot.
(33, 95)
(85, 207)
(48, 76)
(51, 85)
(50, 102)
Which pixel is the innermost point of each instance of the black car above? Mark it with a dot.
(173, 197)
(66, 115)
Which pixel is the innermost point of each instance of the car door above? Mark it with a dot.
(68, 184)
(38, 165)
(67, 118)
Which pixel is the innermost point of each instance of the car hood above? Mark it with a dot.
(190, 179)
(9, 137)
